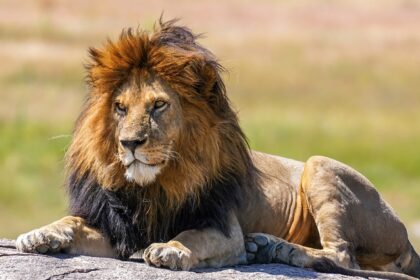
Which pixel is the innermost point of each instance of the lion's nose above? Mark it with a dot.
(133, 144)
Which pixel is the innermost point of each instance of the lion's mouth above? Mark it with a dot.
(128, 159)
(150, 164)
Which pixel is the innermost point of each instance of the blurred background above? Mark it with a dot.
(337, 78)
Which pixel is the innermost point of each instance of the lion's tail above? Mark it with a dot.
(328, 266)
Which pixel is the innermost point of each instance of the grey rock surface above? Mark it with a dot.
(17, 265)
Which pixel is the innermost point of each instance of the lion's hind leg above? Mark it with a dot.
(356, 227)
(350, 214)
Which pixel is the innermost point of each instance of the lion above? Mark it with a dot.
(158, 164)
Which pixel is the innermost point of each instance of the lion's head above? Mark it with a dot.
(157, 148)
(157, 116)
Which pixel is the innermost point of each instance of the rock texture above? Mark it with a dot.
(16, 265)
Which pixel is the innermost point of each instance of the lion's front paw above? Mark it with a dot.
(48, 239)
(172, 255)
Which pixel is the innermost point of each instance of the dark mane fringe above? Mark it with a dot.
(122, 216)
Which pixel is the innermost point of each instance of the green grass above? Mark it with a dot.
(31, 176)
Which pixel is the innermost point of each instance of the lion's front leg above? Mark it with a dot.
(69, 234)
(199, 248)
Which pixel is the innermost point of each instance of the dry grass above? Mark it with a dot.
(308, 77)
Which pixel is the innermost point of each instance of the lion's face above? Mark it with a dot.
(148, 118)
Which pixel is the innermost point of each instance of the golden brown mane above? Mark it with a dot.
(212, 143)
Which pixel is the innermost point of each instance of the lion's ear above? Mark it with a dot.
(212, 87)
(92, 66)
(208, 77)
(207, 74)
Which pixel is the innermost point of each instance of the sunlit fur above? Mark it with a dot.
(211, 144)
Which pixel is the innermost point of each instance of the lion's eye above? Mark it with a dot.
(120, 109)
(160, 105)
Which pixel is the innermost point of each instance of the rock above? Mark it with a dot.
(17, 265)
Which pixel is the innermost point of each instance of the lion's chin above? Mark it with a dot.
(141, 173)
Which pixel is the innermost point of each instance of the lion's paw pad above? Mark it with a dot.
(44, 241)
